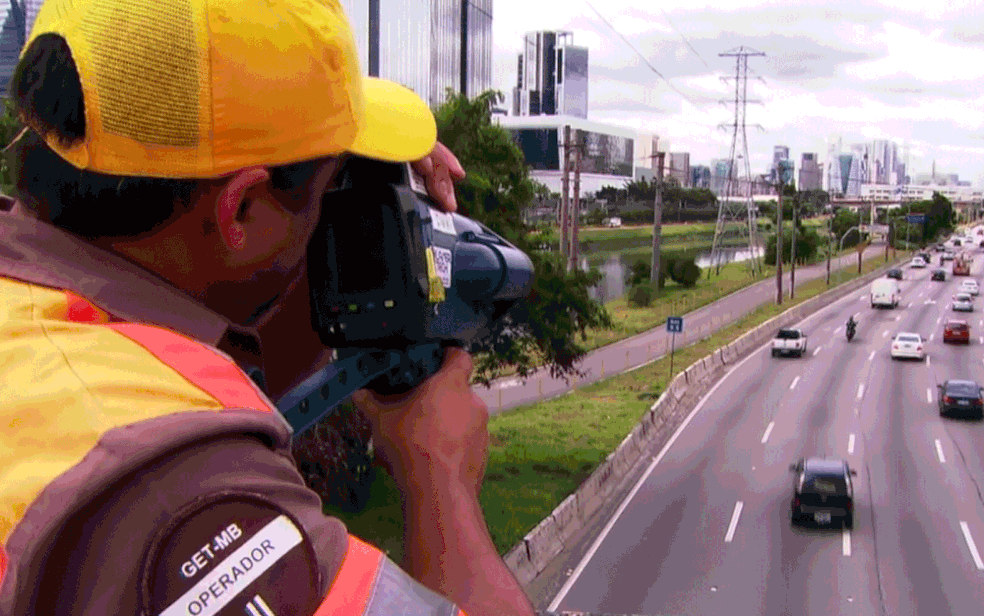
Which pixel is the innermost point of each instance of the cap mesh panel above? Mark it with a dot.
(145, 67)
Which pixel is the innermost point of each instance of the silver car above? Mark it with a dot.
(964, 302)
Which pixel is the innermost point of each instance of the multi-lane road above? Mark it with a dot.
(706, 528)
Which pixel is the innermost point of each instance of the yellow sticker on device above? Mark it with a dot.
(436, 288)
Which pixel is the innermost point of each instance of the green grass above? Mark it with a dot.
(540, 454)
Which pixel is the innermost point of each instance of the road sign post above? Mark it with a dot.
(674, 325)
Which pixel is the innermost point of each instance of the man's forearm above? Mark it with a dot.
(447, 547)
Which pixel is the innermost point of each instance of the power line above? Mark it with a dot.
(667, 17)
(653, 68)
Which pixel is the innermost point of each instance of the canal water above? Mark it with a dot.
(615, 270)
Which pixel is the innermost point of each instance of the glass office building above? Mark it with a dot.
(18, 18)
(418, 43)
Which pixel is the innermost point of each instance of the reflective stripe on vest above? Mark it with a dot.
(72, 372)
(369, 584)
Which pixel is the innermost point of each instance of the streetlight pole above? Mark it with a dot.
(830, 246)
(779, 249)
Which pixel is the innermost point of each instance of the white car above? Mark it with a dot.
(906, 344)
(969, 286)
(964, 302)
(917, 262)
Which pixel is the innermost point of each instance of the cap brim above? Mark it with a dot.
(397, 127)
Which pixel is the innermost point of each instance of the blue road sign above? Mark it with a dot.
(674, 324)
(916, 219)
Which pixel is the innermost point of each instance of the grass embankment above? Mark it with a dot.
(541, 453)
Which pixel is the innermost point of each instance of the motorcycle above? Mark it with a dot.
(851, 330)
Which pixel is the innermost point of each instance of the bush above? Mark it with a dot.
(685, 272)
(641, 296)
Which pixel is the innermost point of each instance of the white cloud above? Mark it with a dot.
(921, 55)
(864, 70)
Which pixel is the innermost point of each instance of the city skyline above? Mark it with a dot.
(880, 71)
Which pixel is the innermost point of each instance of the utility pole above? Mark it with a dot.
(830, 247)
(565, 198)
(657, 216)
(792, 266)
(779, 248)
(576, 219)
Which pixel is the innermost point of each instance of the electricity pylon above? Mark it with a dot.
(737, 217)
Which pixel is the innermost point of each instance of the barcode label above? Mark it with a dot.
(442, 260)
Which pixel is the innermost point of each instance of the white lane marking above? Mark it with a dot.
(850, 445)
(857, 314)
(795, 381)
(816, 350)
(970, 544)
(872, 356)
(885, 334)
(939, 452)
(898, 318)
(847, 542)
(768, 431)
(982, 339)
(929, 395)
(982, 323)
(576, 574)
(860, 391)
(927, 360)
(931, 336)
(836, 330)
(581, 566)
(734, 522)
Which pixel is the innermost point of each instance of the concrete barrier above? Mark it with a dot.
(531, 555)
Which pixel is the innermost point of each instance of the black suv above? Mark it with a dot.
(939, 274)
(895, 273)
(822, 491)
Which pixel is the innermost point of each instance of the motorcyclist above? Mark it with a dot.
(851, 326)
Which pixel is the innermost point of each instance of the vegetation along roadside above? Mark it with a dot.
(541, 453)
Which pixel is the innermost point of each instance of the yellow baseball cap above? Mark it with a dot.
(202, 88)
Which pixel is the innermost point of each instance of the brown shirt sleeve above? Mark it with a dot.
(196, 511)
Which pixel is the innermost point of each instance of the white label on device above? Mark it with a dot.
(443, 222)
(442, 260)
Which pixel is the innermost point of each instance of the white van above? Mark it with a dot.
(885, 292)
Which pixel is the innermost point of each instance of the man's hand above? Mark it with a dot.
(438, 431)
(441, 170)
(435, 442)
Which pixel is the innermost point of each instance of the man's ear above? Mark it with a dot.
(231, 197)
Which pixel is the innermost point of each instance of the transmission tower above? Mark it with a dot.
(736, 212)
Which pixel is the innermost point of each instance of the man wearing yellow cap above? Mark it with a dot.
(177, 158)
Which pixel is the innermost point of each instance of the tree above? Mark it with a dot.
(10, 127)
(543, 328)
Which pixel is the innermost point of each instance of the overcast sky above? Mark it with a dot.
(911, 72)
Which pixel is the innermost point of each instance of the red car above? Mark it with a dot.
(956, 331)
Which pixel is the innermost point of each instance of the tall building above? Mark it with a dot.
(884, 162)
(678, 166)
(782, 167)
(700, 176)
(552, 76)
(720, 168)
(419, 43)
(810, 172)
(18, 19)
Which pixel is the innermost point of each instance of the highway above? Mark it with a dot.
(706, 528)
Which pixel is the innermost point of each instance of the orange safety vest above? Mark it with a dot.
(72, 371)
